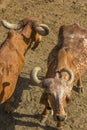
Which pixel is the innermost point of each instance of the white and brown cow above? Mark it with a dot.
(67, 62)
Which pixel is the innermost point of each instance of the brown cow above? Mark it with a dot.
(13, 50)
(66, 64)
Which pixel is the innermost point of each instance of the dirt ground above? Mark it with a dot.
(26, 105)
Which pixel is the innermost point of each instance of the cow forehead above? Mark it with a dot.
(58, 88)
(61, 91)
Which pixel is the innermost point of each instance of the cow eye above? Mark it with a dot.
(49, 93)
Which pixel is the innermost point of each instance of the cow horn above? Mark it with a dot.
(33, 75)
(42, 29)
(11, 26)
(70, 72)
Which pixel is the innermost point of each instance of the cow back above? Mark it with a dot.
(74, 38)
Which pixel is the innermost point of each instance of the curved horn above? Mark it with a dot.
(11, 26)
(71, 74)
(34, 73)
(42, 29)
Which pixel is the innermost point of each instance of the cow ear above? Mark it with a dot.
(24, 21)
(68, 98)
(58, 75)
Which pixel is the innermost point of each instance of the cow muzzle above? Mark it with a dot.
(60, 118)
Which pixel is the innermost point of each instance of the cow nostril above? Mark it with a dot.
(60, 118)
(49, 108)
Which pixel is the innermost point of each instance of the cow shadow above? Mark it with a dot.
(31, 124)
(8, 121)
(22, 84)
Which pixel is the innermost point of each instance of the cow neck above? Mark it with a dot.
(28, 36)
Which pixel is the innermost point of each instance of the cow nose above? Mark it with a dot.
(60, 118)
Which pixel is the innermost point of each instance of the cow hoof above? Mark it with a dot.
(81, 90)
(60, 128)
(78, 89)
(43, 119)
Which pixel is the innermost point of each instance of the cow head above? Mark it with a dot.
(57, 91)
(32, 30)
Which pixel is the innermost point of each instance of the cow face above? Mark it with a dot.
(57, 91)
(31, 31)
(58, 94)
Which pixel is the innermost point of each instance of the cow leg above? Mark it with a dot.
(44, 115)
(8, 105)
(80, 86)
(44, 100)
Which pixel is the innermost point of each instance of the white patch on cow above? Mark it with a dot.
(77, 35)
(71, 40)
(61, 92)
(72, 36)
(85, 42)
(81, 36)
